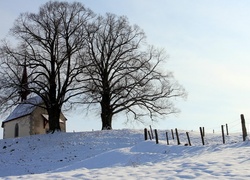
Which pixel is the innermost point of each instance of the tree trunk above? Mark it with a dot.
(54, 109)
(54, 119)
(107, 112)
(106, 122)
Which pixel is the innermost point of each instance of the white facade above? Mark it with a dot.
(28, 119)
(23, 125)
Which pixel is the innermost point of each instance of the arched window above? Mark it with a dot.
(16, 130)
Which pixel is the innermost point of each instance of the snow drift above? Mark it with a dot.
(123, 154)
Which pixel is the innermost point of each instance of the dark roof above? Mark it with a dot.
(25, 108)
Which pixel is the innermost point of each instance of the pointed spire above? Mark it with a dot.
(24, 92)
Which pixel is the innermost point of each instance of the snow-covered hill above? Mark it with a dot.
(123, 154)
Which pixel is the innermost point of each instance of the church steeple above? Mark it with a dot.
(24, 91)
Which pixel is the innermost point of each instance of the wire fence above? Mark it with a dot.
(238, 128)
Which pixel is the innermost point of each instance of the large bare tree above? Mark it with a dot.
(124, 72)
(49, 43)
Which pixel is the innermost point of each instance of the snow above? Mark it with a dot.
(123, 154)
(24, 108)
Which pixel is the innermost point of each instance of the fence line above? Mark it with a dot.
(225, 131)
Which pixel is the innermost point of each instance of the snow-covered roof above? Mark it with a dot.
(25, 108)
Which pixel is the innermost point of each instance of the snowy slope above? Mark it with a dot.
(123, 154)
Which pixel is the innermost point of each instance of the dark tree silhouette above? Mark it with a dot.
(124, 73)
(49, 45)
(65, 51)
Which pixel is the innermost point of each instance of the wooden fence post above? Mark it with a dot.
(243, 124)
(223, 136)
(152, 134)
(202, 137)
(149, 135)
(189, 142)
(177, 136)
(167, 138)
(172, 133)
(227, 129)
(145, 134)
(156, 137)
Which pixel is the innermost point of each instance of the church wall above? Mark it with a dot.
(38, 124)
(63, 125)
(31, 124)
(38, 121)
(23, 127)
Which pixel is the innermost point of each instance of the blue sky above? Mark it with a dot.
(208, 43)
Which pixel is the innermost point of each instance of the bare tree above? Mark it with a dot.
(49, 45)
(123, 72)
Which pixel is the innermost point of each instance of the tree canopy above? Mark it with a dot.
(49, 45)
(67, 53)
(123, 71)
